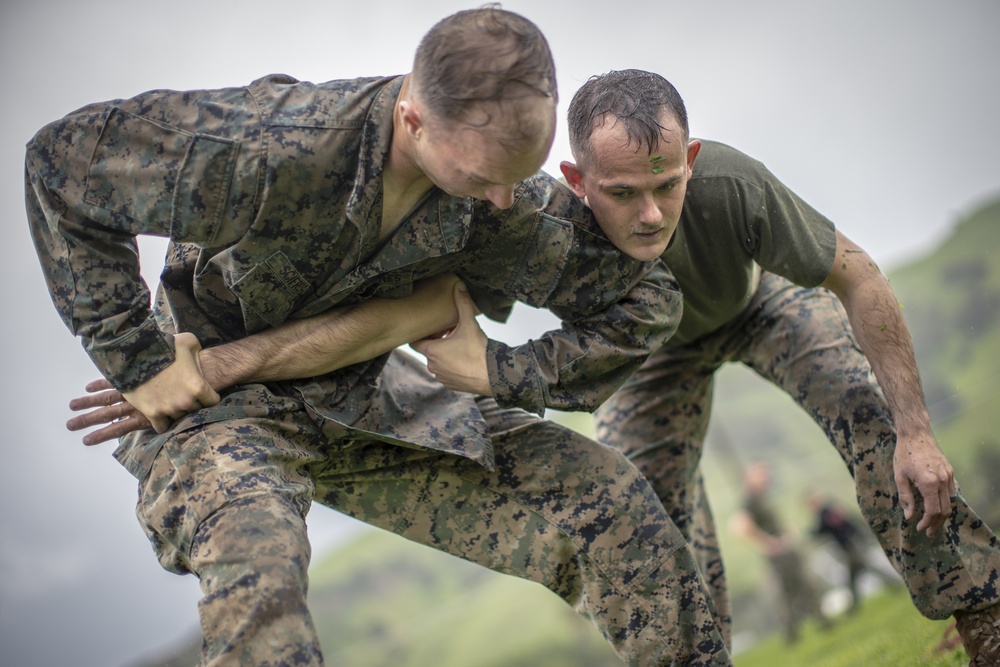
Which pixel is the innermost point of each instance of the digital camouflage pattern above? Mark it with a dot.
(558, 509)
(800, 340)
(267, 184)
(271, 195)
(274, 216)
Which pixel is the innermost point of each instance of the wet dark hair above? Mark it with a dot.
(482, 55)
(636, 98)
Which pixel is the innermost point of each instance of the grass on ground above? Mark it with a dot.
(887, 631)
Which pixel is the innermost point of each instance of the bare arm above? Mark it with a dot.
(335, 339)
(297, 349)
(877, 320)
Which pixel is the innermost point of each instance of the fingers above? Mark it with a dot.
(944, 497)
(207, 398)
(100, 399)
(101, 416)
(937, 508)
(905, 496)
(116, 430)
(932, 512)
(936, 493)
(114, 414)
(921, 467)
(160, 424)
(118, 420)
(98, 385)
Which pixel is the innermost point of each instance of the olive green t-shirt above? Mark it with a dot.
(738, 219)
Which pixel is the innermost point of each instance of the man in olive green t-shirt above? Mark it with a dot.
(769, 282)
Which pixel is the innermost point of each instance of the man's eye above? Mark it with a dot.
(667, 187)
(621, 195)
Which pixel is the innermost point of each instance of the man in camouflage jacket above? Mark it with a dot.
(285, 199)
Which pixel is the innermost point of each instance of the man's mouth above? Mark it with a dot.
(648, 233)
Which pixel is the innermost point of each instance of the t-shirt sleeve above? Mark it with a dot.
(786, 235)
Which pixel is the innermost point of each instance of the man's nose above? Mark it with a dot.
(502, 196)
(649, 212)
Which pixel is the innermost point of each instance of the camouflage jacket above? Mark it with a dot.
(271, 196)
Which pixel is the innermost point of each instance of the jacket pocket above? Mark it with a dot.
(268, 292)
(175, 182)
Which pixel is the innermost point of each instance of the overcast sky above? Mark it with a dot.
(883, 115)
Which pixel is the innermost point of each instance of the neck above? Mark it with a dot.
(401, 172)
(403, 181)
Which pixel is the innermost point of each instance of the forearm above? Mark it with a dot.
(298, 349)
(877, 320)
(91, 268)
(332, 340)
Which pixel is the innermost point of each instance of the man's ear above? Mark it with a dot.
(410, 115)
(693, 148)
(573, 178)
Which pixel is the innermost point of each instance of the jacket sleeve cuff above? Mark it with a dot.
(514, 377)
(133, 359)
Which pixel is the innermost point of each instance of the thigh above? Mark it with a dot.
(207, 467)
(551, 493)
(658, 419)
(800, 339)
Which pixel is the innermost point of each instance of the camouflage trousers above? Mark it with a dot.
(227, 501)
(800, 340)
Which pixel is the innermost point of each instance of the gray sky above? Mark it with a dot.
(881, 114)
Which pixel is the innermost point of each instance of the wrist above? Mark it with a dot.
(913, 427)
(216, 370)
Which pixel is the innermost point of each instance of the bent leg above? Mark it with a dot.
(658, 419)
(226, 501)
(558, 509)
(803, 343)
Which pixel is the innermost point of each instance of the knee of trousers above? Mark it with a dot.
(255, 546)
(233, 517)
(627, 529)
(252, 557)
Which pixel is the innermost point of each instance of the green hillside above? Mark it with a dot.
(384, 601)
(887, 632)
(952, 302)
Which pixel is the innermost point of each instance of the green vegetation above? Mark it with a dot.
(886, 631)
(425, 608)
(952, 302)
(383, 600)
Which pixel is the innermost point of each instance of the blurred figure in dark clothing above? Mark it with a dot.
(834, 520)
